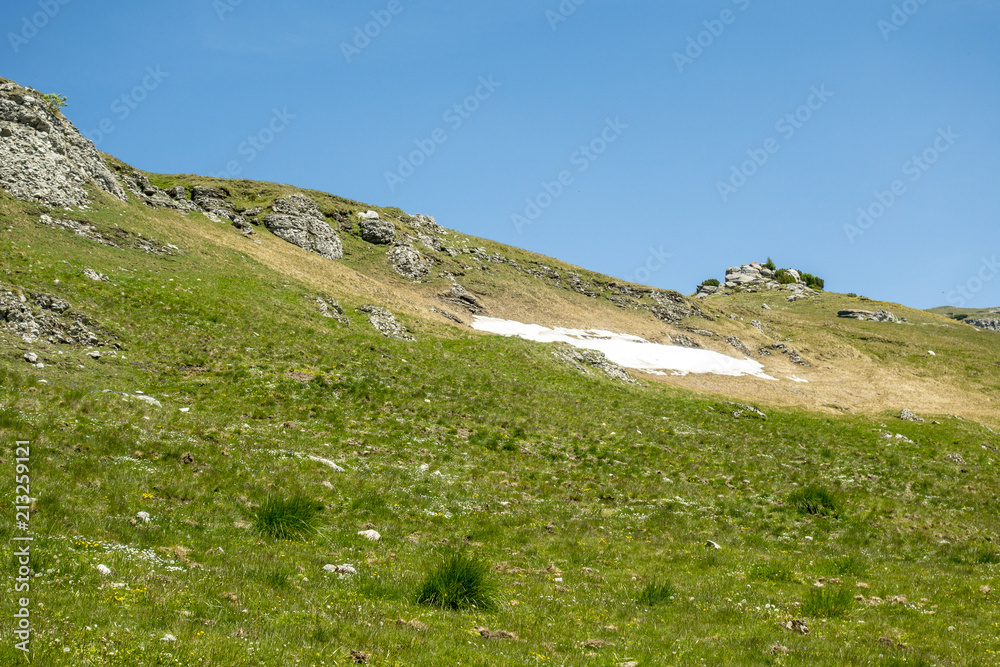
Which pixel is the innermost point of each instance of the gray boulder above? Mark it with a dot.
(379, 232)
(407, 262)
(385, 322)
(298, 220)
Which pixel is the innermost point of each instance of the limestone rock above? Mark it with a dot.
(385, 322)
(907, 415)
(584, 360)
(991, 324)
(407, 262)
(43, 157)
(461, 297)
(298, 220)
(379, 232)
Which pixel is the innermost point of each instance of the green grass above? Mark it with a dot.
(287, 518)
(577, 493)
(656, 594)
(459, 582)
(814, 500)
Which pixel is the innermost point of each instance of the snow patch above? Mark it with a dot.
(629, 351)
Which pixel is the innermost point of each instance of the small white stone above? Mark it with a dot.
(104, 569)
(168, 638)
(143, 516)
(372, 535)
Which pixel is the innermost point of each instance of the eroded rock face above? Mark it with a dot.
(385, 322)
(43, 157)
(991, 324)
(44, 316)
(407, 262)
(298, 220)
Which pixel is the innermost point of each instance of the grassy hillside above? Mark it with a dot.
(592, 502)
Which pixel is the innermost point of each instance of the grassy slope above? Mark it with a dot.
(543, 472)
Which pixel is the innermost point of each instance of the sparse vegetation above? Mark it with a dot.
(711, 282)
(56, 102)
(783, 277)
(656, 594)
(828, 602)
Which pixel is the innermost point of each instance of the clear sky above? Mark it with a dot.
(660, 141)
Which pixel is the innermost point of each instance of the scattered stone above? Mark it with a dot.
(461, 297)
(326, 462)
(142, 516)
(49, 321)
(671, 307)
(595, 643)
(407, 262)
(985, 590)
(359, 657)
(796, 625)
(378, 232)
(95, 276)
(104, 570)
(777, 649)
(712, 545)
(122, 238)
(486, 633)
(169, 638)
(955, 458)
(908, 416)
(741, 409)
(682, 340)
(739, 345)
(31, 357)
(584, 360)
(329, 307)
(869, 316)
(370, 215)
(766, 307)
(991, 324)
(385, 322)
(343, 571)
(298, 220)
(94, 354)
(372, 535)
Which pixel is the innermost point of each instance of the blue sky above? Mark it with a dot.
(657, 141)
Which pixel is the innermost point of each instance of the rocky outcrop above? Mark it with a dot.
(385, 322)
(585, 360)
(44, 316)
(119, 238)
(43, 157)
(407, 262)
(461, 297)
(869, 316)
(671, 307)
(754, 277)
(329, 307)
(298, 220)
(991, 324)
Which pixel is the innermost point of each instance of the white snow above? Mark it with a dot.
(795, 378)
(629, 351)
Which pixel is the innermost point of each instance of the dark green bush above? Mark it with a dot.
(459, 582)
(784, 277)
(814, 500)
(711, 282)
(770, 264)
(287, 518)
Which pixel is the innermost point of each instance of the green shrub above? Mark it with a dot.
(814, 500)
(55, 102)
(769, 264)
(287, 519)
(812, 281)
(657, 593)
(459, 582)
(827, 603)
(784, 277)
(711, 282)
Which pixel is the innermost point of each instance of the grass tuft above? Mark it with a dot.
(814, 500)
(459, 582)
(657, 593)
(827, 603)
(287, 518)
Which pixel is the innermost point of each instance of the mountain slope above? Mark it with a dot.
(201, 379)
